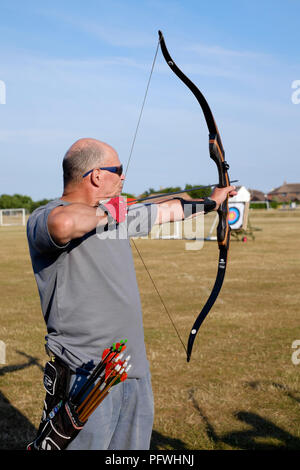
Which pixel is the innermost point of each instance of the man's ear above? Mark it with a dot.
(96, 177)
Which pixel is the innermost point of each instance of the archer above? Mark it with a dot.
(88, 289)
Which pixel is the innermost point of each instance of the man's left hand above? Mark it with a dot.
(219, 194)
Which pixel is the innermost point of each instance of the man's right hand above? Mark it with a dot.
(117, 207)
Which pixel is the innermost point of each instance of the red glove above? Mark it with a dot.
(117, 208)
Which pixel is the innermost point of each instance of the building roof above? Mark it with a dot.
(286, 188)
(256, 195)
(286, 192)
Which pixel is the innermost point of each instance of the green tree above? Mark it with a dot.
(18, 201)
(198, 193)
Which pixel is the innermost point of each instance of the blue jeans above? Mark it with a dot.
(123, 421)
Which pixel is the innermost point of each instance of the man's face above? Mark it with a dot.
(111, 184)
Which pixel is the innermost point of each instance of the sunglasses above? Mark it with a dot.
(113, 169)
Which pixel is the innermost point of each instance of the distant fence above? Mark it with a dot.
(273, 205)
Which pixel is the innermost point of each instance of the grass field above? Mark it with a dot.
(241, 389)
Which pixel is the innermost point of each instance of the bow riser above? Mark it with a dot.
(217, 155)
(223, 229)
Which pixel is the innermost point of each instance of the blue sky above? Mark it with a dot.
(77, 69)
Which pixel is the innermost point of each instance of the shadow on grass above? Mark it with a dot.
(16, 431)
(32, 361)
(261, 430)
(161, 442)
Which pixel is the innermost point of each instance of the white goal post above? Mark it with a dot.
(12, 217)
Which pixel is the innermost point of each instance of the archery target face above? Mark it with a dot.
(236, 215)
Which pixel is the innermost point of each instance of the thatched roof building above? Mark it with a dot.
(285, 193)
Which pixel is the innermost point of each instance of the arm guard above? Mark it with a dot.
(192, 207)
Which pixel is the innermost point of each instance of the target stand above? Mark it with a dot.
(238, 219)
(239, 222)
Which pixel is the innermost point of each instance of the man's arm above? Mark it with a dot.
(169, 211)
(172, 210)
(73, 221)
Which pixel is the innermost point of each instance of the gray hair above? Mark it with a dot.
(80, 158)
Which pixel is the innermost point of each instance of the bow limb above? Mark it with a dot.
(217, 154)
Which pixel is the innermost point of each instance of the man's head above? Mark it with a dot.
(88, 156)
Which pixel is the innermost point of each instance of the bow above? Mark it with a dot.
(217, 154)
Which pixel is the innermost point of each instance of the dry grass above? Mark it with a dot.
(240, 390)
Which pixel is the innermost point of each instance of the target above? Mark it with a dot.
(234, 215)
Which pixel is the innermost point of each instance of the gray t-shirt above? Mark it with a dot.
(88, 288)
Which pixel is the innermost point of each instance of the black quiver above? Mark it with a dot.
(60, 423)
